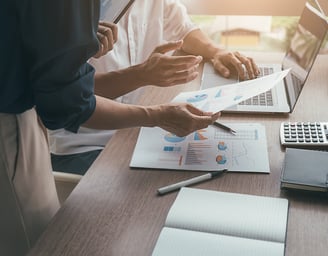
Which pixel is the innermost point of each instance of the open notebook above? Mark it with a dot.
(204, 222)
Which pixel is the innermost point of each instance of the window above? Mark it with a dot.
(268, 27)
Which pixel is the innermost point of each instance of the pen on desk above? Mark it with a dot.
(192, 181)
(224, 127)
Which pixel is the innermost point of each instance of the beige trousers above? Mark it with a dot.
(28, 198)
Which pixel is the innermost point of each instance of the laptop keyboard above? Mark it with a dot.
(263, 99)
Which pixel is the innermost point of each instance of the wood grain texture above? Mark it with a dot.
(115, 211)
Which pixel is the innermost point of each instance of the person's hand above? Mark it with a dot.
(166, 70)
(182, 119)
(107, 37)
(227, 62)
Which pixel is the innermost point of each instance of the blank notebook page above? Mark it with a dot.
(241, 215)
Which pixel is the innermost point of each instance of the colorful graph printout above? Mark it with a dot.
(204, 150)
(219, 98)
(169, 137)
(199, 135)
(197, 98)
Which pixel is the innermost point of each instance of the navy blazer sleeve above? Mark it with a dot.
(59, 37)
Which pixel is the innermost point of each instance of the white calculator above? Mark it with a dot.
(304, 134)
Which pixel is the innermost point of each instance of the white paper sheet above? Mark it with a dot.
(204, 150)
(219, 98)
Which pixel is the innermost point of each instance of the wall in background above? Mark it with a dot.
(249, 7)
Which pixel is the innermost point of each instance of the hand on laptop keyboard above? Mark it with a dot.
(228, 62)
(263, 72)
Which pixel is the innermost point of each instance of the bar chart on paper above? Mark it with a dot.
(204, 150)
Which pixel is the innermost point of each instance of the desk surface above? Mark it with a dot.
(115, 210)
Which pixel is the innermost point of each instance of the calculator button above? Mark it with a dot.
(291, 140)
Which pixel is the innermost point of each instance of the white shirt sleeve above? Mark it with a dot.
(177, 23)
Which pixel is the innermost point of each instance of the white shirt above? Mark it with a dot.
(147, 24)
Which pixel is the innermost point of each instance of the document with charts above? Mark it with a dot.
(204, 150)
(218, 98)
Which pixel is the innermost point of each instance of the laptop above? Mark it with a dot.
(300, 56)
(113, 10)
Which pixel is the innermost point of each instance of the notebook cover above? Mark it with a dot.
(305, 169)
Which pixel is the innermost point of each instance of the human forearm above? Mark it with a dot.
(198, 43)
(159, 69)
(117, 83)
(180, 119)
(112, 115)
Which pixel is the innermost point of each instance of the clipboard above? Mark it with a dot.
(113, 10)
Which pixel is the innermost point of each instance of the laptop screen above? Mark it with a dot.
(303, 50)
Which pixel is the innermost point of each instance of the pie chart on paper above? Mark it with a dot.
(173, 138)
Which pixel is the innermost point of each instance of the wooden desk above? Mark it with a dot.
(115, 210)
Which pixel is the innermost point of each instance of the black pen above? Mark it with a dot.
(224, 127)
(192, 181)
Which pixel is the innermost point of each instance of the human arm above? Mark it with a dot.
(178, 118)
(62, 81)
(159, 69)
(57, 38)
(197, 42)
